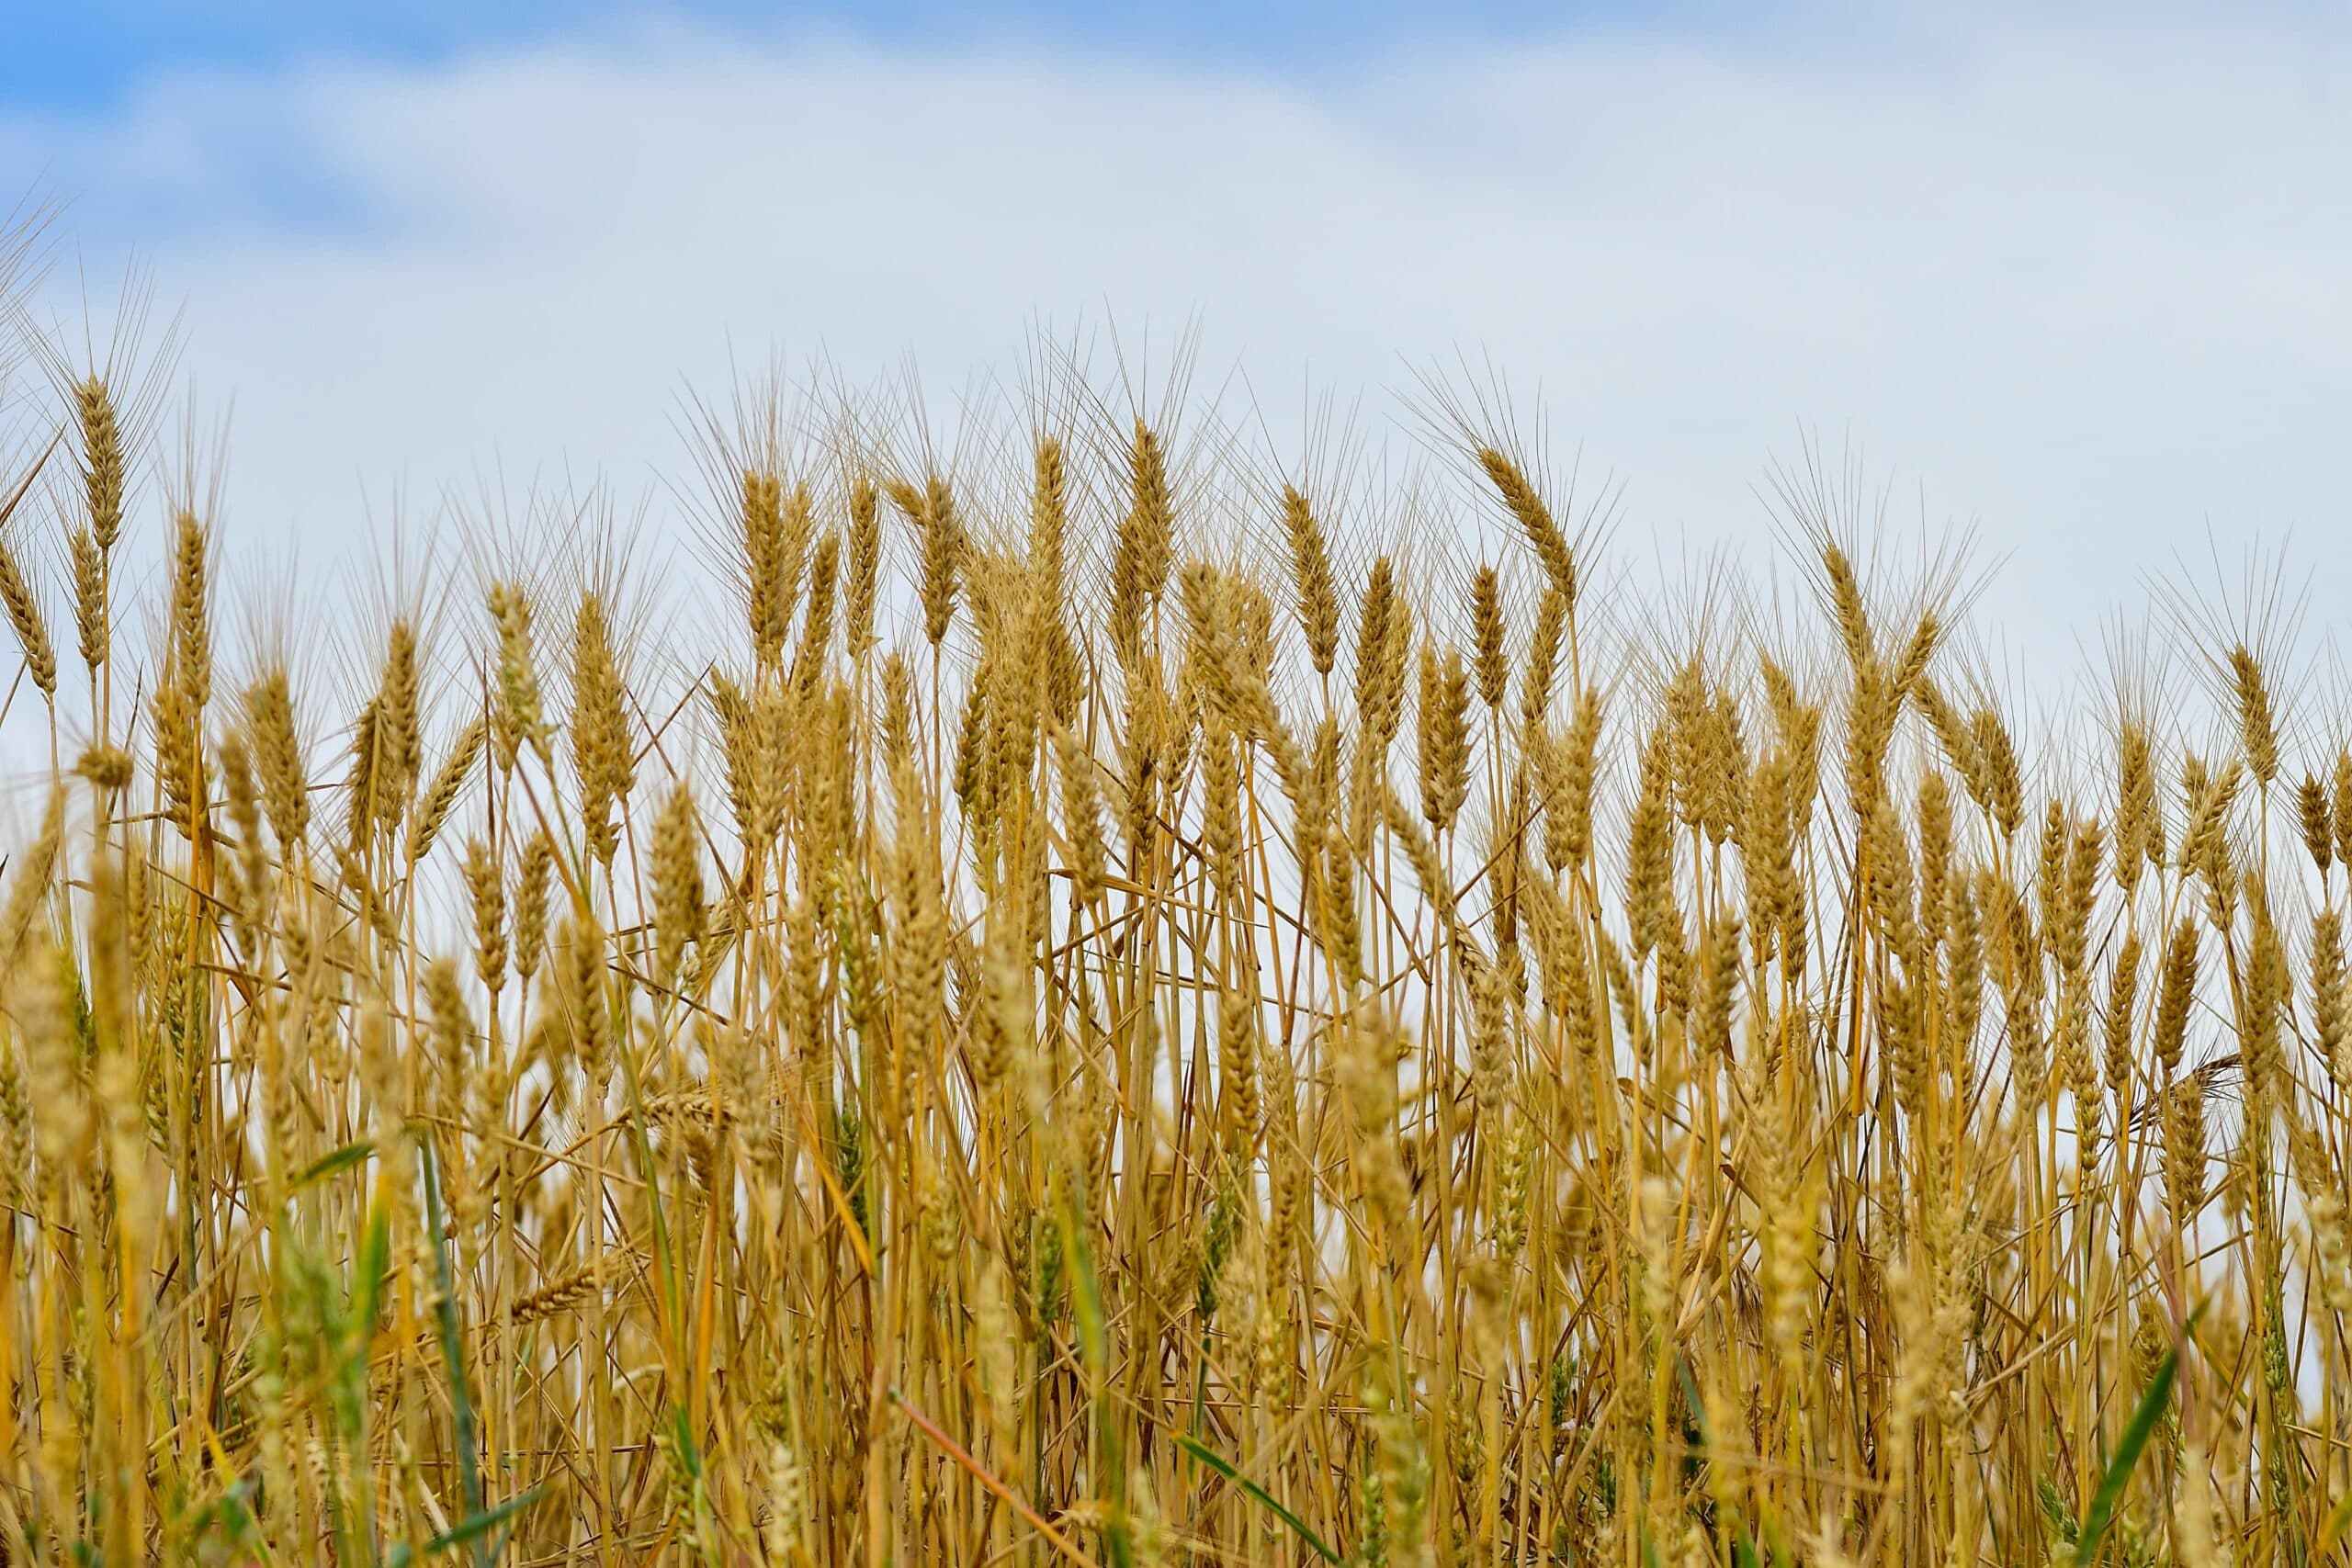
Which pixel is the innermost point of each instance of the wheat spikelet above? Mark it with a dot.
(678, 913)
(531, 905)
(932, 510)
(761, 518)
(1534, 520)
(2184, 1149)
(2257, 727)
(1650, 855)
(1543, 657)
(1144, 551)
(1492, 663)
(1446, 736)
(28, 885)
(817, 624)
(559, 1296)
(448, 782)
(54, 1085)
(387, 745)
(1313, 584)
(191, 609)
(1853, 618)
(517, 714)
(103, 462)
(602, 753)
(1082, 816)
(486, 895)
(90, 617)
(2004, 790)
(2122, 998)
(179, 724)
(277, 756)
(31, 625)
(864, 565)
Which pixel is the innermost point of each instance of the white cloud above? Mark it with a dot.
(2089, 289)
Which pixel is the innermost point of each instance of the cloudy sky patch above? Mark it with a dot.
(2080, 280)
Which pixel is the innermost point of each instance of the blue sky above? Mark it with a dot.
(2070, 274)
(88, 56)
(89, 66)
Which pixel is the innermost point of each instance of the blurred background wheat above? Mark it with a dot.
(1093, 993)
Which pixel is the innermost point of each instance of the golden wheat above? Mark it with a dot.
(1088, 1087)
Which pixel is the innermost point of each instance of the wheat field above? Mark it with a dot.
(1100, 993)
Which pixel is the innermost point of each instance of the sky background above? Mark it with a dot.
(2075, 275)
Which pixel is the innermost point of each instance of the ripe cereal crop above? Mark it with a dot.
(1099, 993)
